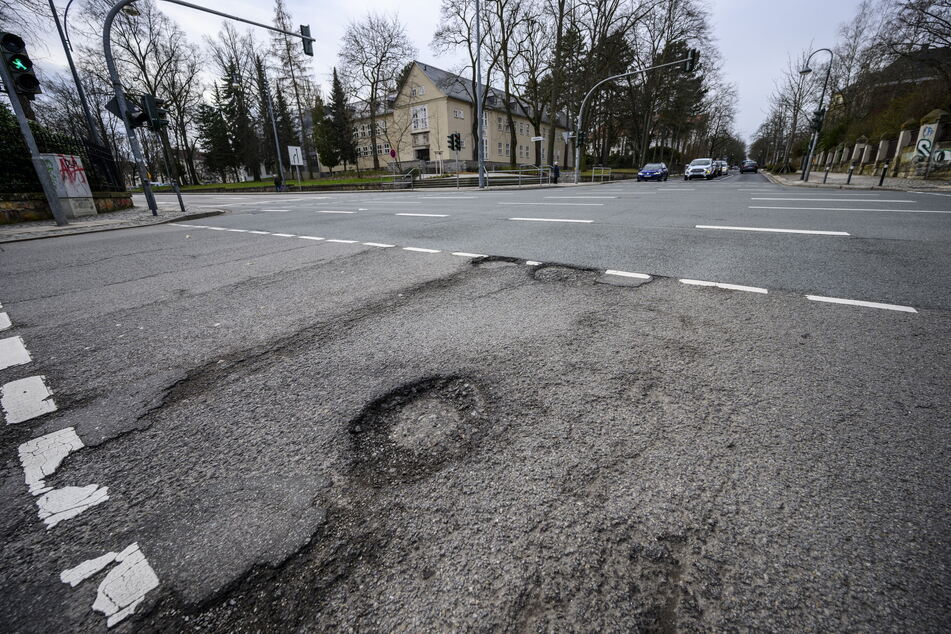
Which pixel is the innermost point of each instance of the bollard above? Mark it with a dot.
(884, 171)
(825, 177)
(849, 179)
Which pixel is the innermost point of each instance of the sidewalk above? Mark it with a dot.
(837, 180)
(125, 219)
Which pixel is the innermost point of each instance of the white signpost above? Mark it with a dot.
(296, 157)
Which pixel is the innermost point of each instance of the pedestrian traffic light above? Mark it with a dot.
(580, 137)
(20, 66)
(308, 41)
(155, 114)
(690, 64)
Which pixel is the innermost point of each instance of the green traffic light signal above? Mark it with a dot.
(13, 51)
(21, 63)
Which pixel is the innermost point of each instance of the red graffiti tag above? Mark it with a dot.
(71, 170)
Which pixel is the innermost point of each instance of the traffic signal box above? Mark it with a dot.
(20, 66)
(155, 113)
(455, 141)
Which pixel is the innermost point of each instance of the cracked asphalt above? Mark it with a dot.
(312, 436)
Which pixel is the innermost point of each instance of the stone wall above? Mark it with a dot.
(33, 206)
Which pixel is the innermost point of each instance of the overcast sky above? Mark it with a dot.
(755, 37)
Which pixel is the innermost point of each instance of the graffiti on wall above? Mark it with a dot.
(68, 175)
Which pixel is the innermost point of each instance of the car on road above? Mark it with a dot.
(653, 172)
(748, 166)
(700, 168)
(722, 168)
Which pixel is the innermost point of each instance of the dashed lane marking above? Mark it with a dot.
(579, 197)
(275, 210)
(856, 302)
(26, 399)
(532, 263)
(62, 504)
(283, 235)
(640, 276)
(425, 215)
(421, 250)
(309, 238)
(551, 220)
(839, 199)
(464, 254)
(5, 321)
(341, 241)
(729, 287)
(13, 352)
(448, 197)
(40, 457)
(379, 244)
(551, 204)
(260, 233)
(334, 211)
(806, 231)
(125, 585)
(906, 211)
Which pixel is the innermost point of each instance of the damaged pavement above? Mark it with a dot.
(333, 437)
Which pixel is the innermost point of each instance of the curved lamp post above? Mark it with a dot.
(815, 135)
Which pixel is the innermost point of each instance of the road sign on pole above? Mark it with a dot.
(538, 138)
(295, 155)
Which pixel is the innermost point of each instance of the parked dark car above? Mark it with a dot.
(748, 166)
(653, 172)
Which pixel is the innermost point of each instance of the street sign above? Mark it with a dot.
(538, 138)
(295, 155)
(567, 135)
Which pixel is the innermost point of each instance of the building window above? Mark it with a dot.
(458, 114)
(420, 115)
(508, 150)
(386, 148)
(379, 148)
(500, 149)
(499, 121)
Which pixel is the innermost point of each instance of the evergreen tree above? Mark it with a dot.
(287, 131)
(342, 123)
(244, 137)
(267, 149)
(214, 138)
(325, 141)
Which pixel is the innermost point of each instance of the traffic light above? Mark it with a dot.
(155, 114)
(308, 42)
(817, 117)
(580, 137)
(690, 64)
(18, 62)
(455, 141)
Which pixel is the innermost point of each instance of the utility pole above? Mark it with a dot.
(478, 96)
(270, 112)
(820, 114)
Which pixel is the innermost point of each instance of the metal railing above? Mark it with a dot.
(601, 172)
(530, 175)
(399, 181)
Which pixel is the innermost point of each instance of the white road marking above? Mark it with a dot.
(729, 287)
(808, 231)
(217, 228)
(239, 230)
(640, 276)
(425, 215)
(262, 233)
(676, 189)
(580, 197)
(447, 197)
(284, 235)
(907, 211)
(25, 399)
(5, 321)
(275, 210)
(421, 250)
(463, 254)
(856, 302)
(930, 193)
(341, 241)
(532, 263)
(13, 352)
(840, 199)
(550, 220)
(124, 587)
(62, 504)
(562, 204)
(379, 244)
(309, 238)
(331, 211)
(40, 457)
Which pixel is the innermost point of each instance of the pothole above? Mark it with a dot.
(416, 429)
(561, 274)
(495, 262)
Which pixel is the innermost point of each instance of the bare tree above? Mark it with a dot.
(374, 52)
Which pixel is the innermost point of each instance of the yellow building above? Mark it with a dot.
(431, 105)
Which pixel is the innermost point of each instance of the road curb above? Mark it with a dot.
(67, 232)
(778, 180)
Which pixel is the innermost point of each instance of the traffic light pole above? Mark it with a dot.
(478, 96)
(815, 136)
(120, 94)
(39, 164)
(578, 130)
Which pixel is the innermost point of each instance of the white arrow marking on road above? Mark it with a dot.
(425, 215)
(856, 302)
(833, 200)
(13, 352)
(640, 276)
(550, 220)
(905, 211)
(729, 287)
(808, 231)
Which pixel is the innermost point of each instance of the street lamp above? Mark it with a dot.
(67, 48)
(820, 115)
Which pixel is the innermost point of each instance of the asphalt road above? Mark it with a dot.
(271, 432)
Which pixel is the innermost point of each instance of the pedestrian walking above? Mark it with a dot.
(555, 172)
(278, 183)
